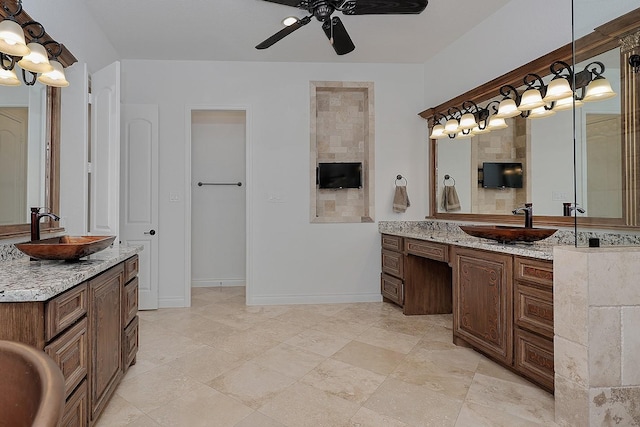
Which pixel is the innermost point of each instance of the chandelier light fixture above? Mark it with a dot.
(38, 60)
(564, 91)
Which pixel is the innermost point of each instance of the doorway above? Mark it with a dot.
(218, 198)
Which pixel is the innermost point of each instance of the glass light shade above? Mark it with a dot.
(468, 121)
(598, 90)
(37, 60)
(8, 78)
(531, 98)
(12, 39)
(461, 135)
(451, 126)
(438, 132)
(540, 112)
(477, 131)
(507, 108)
(496, 123)
(55, 77)
(289, 20)
(566, 104)
(558, 89)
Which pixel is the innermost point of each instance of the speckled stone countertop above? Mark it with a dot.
(22, 280)
(450, 233)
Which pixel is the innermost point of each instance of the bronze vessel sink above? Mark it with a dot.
(68, 248)
(507, 233)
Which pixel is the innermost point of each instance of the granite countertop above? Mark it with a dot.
(22, 280)
(531, 250)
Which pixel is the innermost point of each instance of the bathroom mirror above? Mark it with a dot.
(29, 165)
(606, 175)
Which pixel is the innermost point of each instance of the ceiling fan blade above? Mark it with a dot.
(386, 7)
(337, 34)
(283, 33)
(292, 3)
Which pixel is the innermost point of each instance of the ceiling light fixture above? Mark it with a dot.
(290, 20)
(33, 58)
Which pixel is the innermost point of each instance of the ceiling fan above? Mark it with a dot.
(332, 26)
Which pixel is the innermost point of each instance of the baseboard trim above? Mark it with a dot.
(216, 283)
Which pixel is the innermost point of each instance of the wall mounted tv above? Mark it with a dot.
(339, 175)
(501, 175)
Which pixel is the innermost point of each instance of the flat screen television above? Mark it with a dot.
(340, 175)
(501, 175)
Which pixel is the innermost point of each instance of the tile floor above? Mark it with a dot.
(221, 363)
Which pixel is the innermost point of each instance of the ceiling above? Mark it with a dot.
(228, 30)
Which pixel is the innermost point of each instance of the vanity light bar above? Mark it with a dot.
(537, 100)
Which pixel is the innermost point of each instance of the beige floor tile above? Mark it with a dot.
(156, 388)
(413, 404)
(473, 415)
(368, 418)
(205, 364)
(339, 327)
(245, 344)
(370, 357)
(118, 413)
(344, 380)
(324, 309)
(302, 317)
(256, 419)
(142, 366)
(491, 369)
(252, 384)
(210, 332)
(390, 340)
(201, 406)
(277, 329)
(528, 402)
(304, 406)
(144, 422)
(289, 360)
(167, 346)
(318, 342)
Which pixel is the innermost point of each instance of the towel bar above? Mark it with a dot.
(200, 184)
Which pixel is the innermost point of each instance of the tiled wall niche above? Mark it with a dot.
(342, 130)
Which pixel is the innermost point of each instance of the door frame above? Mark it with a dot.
(248, 198)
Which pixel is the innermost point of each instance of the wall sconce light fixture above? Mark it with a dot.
(634, 62)
(33, 58)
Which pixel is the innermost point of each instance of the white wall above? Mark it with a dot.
(291, 260)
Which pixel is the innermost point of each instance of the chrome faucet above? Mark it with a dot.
(528, 214)
(36, 215)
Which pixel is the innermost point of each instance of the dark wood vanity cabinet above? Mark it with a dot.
(483, 296)
(392, 276)
(90, 331)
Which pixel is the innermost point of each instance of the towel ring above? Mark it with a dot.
(401, 178)
(447, 178)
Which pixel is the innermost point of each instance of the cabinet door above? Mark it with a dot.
(483, 295)
(105, 324)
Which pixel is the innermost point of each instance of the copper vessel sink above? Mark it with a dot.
(68, 248)
(508, 234)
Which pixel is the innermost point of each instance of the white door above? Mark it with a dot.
(13, 165)
(105, 151)
(139, 194)
(218, 212)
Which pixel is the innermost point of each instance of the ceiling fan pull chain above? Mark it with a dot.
(331, 26)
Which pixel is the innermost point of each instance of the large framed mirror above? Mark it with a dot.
(606, 175)
(30, 142)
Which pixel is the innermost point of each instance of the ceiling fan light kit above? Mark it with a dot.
(332, 26)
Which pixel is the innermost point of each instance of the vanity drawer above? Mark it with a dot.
(392, 288)
(62, 311)
(431, 250)
(533, 309)
(393, 243)
(534, 357)
(392, 263)
(130, 301)
(131, 267)
(534, 271)
(75, 408)
(69, 351)
(130, 343)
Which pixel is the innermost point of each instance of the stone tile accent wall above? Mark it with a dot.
(342, 130)
(597, 345)
(505, 145)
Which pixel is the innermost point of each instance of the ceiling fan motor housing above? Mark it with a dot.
(321, 9)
